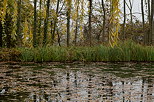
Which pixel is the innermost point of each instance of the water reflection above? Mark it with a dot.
(98, 83)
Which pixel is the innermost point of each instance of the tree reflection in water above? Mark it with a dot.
(77, 84)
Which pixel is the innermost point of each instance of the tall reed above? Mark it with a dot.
(125, 51)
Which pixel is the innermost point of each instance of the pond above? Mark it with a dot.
(77, 82)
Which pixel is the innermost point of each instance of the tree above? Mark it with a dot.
(115, 26)
(130, 7)
(77, 20)
(149, 19)
(104, 19)
(152, 21)
(124, 24)
(8, 30)
(9, 19)
(89, 26)
(19, 36)
(35, 23)
(68, 14)
(143, 21)
(55, 21)
(46, 23)
(1, 32)
(40, 22)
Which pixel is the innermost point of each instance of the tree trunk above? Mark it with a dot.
(149, 11)
(131, 20)
(35, 23)
(143, 21)
(68, 22)
(58, 37)
(149, 18)
(104, 20)
(124, 34)
(19, 35)
(90, 13)
(1, 33)
(55, 22)
(8, 30)
(40, 23)
(152, 21)
(46, 23)
(131, 16)
(76, 28)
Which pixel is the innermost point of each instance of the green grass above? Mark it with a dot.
(126, 51)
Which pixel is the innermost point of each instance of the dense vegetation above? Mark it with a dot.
(76, 30)
(127, 51)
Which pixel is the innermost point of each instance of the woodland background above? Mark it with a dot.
(32, 23)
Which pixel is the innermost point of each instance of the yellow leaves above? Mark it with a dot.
(25, 32)
(54, 15)
(3, 9)
(27, 35)
(114, 21)
(9, 7)
(74, 15)
(68, 3)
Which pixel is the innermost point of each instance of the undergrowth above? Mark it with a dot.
(126, 51)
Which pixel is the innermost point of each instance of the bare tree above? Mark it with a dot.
(152, 21)
(35, 25)
(149, 19)
(143, 21)
(104, 19)
(89, 26)
(124, 34)
(130, 7)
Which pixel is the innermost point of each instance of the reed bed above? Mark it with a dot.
(126, 51)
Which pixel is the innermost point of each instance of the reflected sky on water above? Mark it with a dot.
(94, 82)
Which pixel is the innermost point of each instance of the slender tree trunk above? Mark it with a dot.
(68, 22)
(40, 22)
(8, 30)
(131, 15)
(58, 37)
(124, 34)
(90, 14)
(143, 21)
(131, 12)
(51, 27)
(149, 18)
(1, 33)
(149, 11)
(130, 7)
(55, 22)
(104, 20)
(76, 28)
(19, 36)
(46, 23)
(35, 23)
(152, 21)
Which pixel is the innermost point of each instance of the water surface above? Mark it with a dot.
(93, 82)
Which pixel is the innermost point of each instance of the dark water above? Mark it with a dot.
(94, 82)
